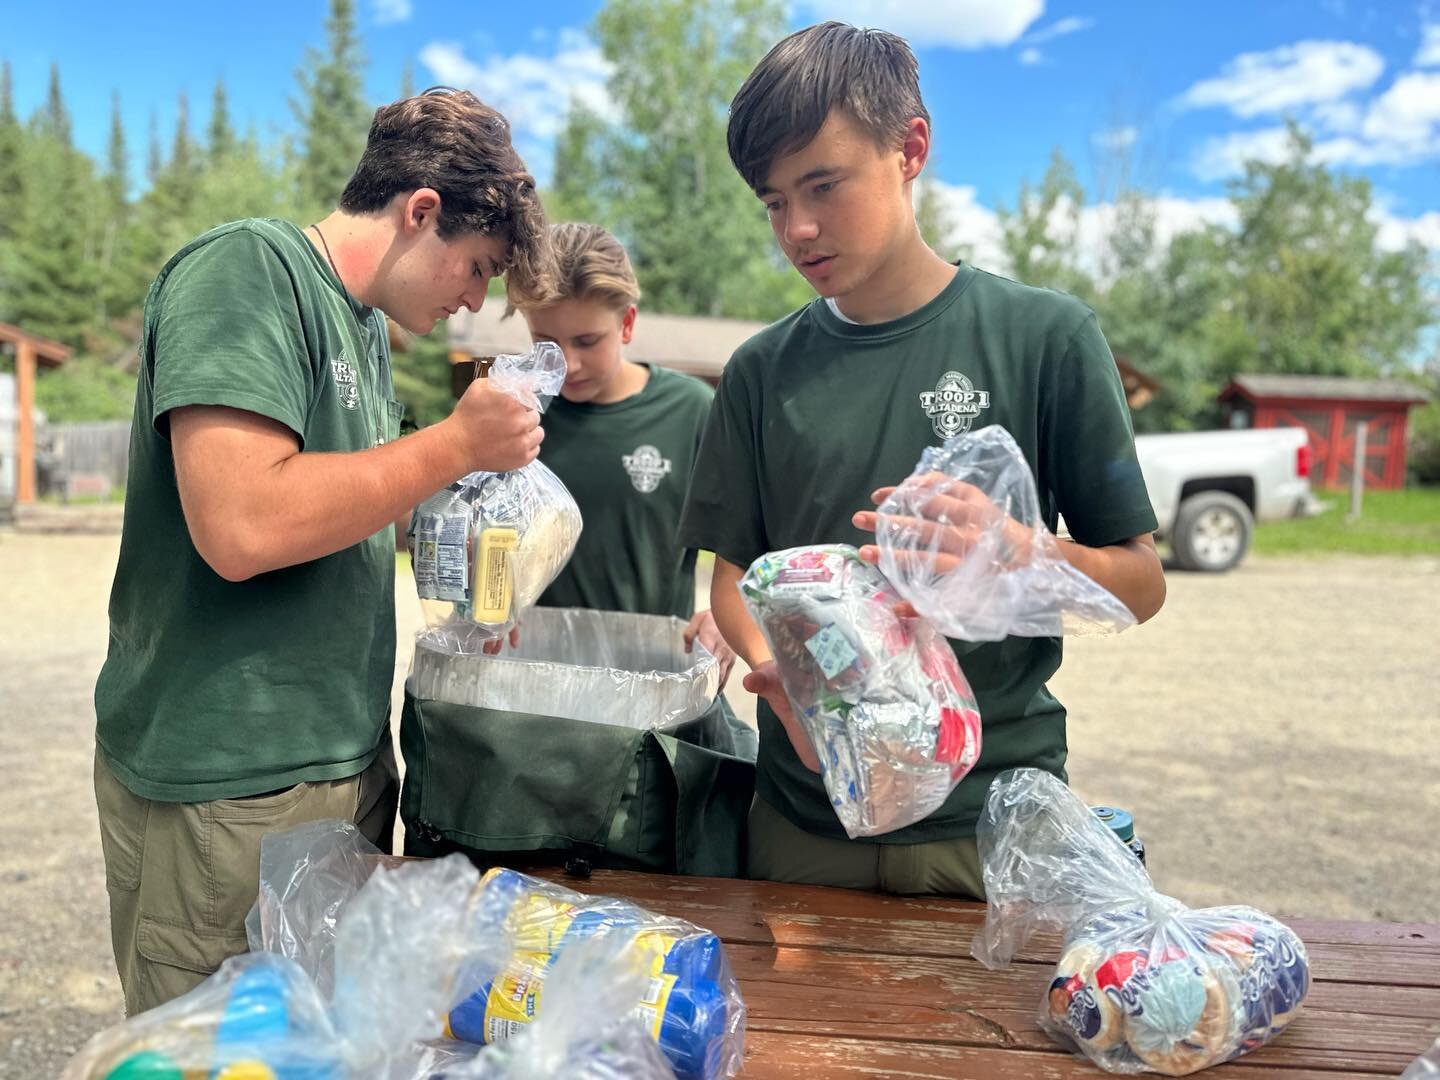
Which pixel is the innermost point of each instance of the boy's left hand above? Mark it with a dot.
(703, 627)
(953, 517)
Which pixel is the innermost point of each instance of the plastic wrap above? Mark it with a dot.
(892, 718)
(1426, 1066)
(611, 667)
(963, 540)
(588, 1031)
(377, 956)
(485, 548)
(690, 1006)
(1143, 983)
(258, 1009)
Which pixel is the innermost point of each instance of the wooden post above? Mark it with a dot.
(25, 426)
(1357, 471)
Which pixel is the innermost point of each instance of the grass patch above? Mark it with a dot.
(1404, 522)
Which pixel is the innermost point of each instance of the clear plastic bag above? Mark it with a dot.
(609, 667)
(257, 1009)
(376, 955)
(1424, 1067)
(690, 1005)
(889, 712)
(1143, 983)
(588, 1030)
(963, 540)
(485, 548)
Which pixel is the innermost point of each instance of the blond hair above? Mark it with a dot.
(589, 264)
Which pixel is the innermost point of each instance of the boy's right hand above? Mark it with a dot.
(494, 432)
(764, 681)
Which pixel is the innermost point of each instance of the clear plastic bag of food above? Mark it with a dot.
(375, 953)
(690, 1005)
(588, 1030)
(963, 540)
(485, 548)
(258, 1012)
(892, 718)
(1143, 983)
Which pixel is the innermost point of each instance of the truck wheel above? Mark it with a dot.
(1212, 532)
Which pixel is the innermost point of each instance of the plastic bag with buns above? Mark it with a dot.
(1143, 983)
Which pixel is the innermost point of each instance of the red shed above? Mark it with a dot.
(1331, 408)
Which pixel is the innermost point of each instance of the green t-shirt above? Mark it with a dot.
(215, 689)
(628, 464)
(814, 413)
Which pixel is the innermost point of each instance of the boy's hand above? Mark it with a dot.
(495, 645)
(493, 431)
(703, 627)
(764, 682)
(953, 518)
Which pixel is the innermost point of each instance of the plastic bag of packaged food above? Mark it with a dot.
(587, 1031)
(607, 667)
(1143, 983)
(690, 1005)
(485, 548)
(892, 718)
(379, 955)
(964, 541)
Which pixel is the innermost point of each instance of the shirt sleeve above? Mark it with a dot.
(228, 332)
(722, 511)
(1089, 444)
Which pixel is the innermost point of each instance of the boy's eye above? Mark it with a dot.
(476, 268)
(586, 342)
(772, 207)
(828, 185)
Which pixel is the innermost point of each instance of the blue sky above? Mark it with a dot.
(1188, 90)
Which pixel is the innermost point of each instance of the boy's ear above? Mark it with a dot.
(421, 209)
(627, 324)
(915, 149)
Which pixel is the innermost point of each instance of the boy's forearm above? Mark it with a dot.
(736, 626)
(1131, 570)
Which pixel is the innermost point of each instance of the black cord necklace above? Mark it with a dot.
(372, 411)
(331, 259)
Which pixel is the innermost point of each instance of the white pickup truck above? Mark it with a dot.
(1209, 488)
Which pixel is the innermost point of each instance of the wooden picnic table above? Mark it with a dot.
(840, 983)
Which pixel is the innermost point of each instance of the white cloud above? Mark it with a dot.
(1031, 57)
(1428, 55)
(1400, 127)
(1397, 232)
(1071, 24)
(1306, 73)
(1224, 156)
(533, 91)
(1121, 138)
(1408, 112)
(960, 24)
(393, 11)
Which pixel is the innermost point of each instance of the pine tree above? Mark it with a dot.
(220, 141)
(332, 112)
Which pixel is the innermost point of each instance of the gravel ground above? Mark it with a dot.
(1274, 731)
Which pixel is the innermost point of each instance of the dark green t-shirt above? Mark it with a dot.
(814, 413)
(215, 689)
(628, 464)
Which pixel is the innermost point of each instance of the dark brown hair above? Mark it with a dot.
(870, 74)
(451, 141)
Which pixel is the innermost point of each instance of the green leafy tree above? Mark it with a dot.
(1040, 235)
(332, 112)
(660, 177)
